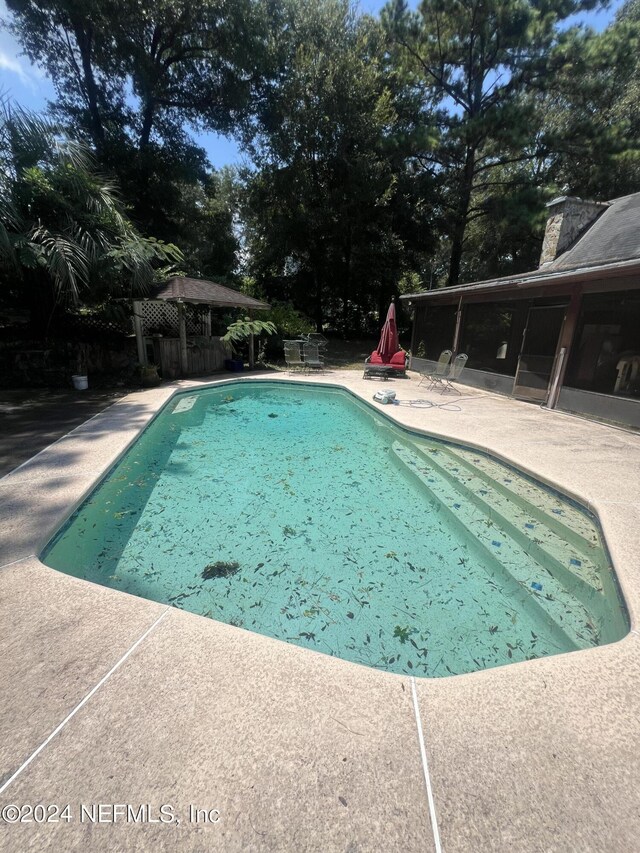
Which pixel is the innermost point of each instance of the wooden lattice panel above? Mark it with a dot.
(162, 318)
(195, 319)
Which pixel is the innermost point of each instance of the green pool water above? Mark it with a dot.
(302, 513)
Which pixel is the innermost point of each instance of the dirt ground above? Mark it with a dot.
(34, 418)
(346, 355)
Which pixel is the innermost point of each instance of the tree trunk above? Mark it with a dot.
(346, 283)
(84, 39)
(460, 220)
(318, 300)
(455, 258)
(147, 123)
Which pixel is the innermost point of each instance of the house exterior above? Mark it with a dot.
(566, 335)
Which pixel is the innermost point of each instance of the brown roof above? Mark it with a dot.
(610, 247)
(527, 280)
(181, 288)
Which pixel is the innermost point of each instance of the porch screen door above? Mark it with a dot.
(539, 345)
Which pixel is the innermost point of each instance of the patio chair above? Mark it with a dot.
(457, 367)
(293, 356)
(317, 338)
(311, 355)
(442, 366)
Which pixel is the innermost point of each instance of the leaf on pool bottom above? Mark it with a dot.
(220, 570)
(402, 633)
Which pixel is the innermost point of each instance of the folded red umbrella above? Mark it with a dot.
(389, 344)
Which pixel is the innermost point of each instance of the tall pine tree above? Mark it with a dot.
(480, 65)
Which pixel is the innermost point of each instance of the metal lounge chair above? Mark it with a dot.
(311, 355)
(442, 366)
(293, 356)
(457, 367)
(317, 338)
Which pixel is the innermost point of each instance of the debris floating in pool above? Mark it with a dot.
(300, 513)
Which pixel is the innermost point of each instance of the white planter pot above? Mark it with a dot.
(80, 382)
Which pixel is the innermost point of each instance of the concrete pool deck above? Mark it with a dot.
(111, 699)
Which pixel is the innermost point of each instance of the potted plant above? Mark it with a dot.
(235, 364)
(79, 378)
(149, 376)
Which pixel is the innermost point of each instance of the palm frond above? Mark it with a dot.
(30, 138)
(72, 154)
(58, 215)
(65, 261)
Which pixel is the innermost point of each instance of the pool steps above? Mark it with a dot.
(515, 565)
(574, 553)
(567, 521)
(574, 528)
(572, 563)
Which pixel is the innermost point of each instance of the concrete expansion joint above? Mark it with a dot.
(425, 769)
(19, 560)
(83, 701)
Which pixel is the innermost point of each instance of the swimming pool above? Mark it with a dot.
(302, 513)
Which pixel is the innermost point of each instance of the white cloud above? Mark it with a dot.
(10, 63)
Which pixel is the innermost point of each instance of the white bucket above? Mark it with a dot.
(80, 383)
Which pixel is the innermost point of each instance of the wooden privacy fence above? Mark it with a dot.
(204, 355)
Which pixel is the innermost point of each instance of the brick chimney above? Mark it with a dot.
(569, 217)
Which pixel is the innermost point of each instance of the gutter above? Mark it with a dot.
(531, 280)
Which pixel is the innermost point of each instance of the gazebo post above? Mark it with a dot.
(252, 356)
(137, 325)
(182, 329)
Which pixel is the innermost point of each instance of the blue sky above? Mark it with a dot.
(30, 87)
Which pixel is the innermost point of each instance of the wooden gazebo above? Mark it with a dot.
(179, 340)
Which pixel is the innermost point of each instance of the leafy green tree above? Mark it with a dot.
(131, 77)
(592, 112)
(322, 204)
(202, 220)
(625, 107)
(507, 238)
(241, 329)
(480, 65)
(184, 61)
(64, 237)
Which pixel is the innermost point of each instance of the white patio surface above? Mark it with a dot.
(111, 699)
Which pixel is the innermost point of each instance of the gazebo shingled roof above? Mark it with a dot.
(200, 291)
